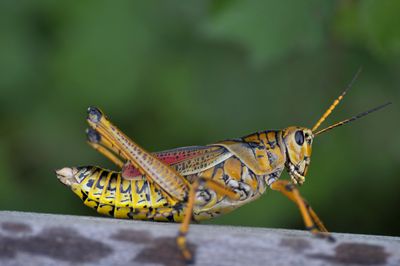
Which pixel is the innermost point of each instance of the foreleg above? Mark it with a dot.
(311, 220)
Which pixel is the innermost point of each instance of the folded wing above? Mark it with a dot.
(185, 160)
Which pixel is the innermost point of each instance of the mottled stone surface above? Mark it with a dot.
(46, 239)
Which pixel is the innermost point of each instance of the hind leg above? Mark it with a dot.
(103, 146)
(155, 170)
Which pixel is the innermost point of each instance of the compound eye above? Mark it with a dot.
(299, 137)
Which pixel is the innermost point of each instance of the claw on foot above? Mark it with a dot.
(314, 230)
(326, 236)
(330, 238)
(187, 255)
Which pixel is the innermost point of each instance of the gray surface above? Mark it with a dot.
(45, 239)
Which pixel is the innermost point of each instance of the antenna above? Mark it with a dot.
(351, 119)
(336, 102)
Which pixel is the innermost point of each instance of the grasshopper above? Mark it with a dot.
(197, 182)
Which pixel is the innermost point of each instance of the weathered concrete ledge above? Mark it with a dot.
(46, 239)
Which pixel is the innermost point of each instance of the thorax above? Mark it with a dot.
(235, 175)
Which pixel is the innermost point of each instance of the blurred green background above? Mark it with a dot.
(180, 73)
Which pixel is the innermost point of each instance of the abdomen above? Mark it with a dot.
(110, 194)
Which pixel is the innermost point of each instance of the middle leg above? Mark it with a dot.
(184, 228)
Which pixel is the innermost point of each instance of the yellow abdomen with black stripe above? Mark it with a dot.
(110, 194)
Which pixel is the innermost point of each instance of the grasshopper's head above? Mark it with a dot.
(297, 142)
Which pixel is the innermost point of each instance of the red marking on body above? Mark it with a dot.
(130, 172)
(176, 157)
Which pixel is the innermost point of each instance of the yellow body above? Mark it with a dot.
(244, 165)
(199, 182)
